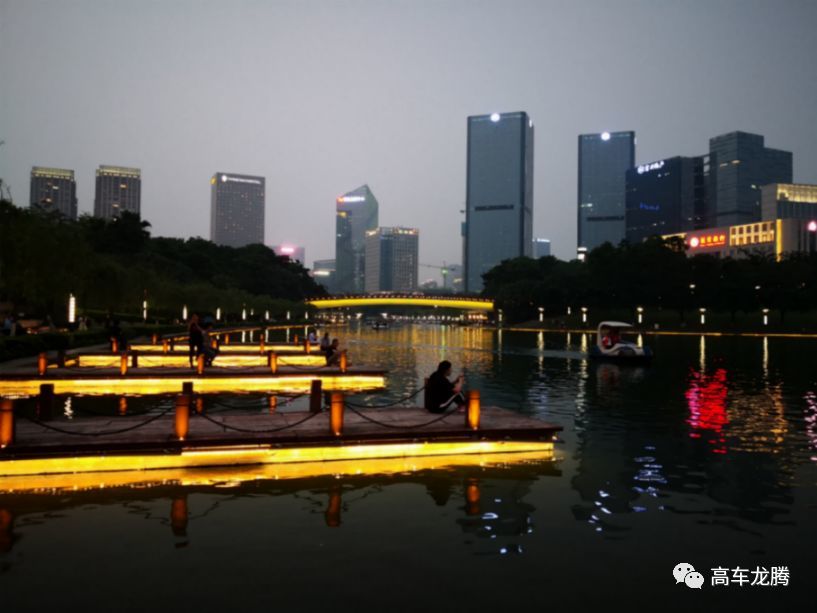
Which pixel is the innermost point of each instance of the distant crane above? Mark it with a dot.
(443, 270)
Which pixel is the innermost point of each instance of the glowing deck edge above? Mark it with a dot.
(181, 348)
(166, 385)
(471, 305)
(265, 455)
(159, 360)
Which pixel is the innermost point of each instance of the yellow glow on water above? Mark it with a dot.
(469, 304)
(178, 360)
(277, 463)
(207, 385)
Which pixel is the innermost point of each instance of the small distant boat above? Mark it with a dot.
(380, 325)
(609, 345)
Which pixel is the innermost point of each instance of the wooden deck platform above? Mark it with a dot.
(280, 437)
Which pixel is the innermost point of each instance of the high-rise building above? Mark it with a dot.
(666, 197)
(323, 271)
(236, 209)
(604, 160)
(452, 280)
(740, 165)
(54, 189)
(392, 259)
(356, 212)
(499, 193)
(118, 189)
(541, 247)
(295, 254)
(788, 201)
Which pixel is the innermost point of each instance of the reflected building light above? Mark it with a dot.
(766, 358)
(702, 353)
(68, 410)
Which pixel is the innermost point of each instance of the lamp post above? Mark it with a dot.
(765, 317)
(244, 314)
(72, 309)
(584, 315)
(218, 314)
(640, 314)
(703, 315)
(184, 313)
(541, 314)
(144, 310)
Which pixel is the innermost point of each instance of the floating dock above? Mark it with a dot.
(129, 443)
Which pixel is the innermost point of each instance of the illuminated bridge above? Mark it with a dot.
(447, 302)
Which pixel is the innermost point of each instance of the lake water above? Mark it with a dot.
(708, 456)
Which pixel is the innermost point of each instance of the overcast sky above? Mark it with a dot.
(322, 96)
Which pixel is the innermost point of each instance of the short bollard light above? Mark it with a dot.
(42, 364)
(181, 425)
(226, 339)
(306, 346)
(6, 422)
(261, 345)
(200, 364)
(273, 362)
(165, 346)
(336, 413)
(315, 396)
(123, 364)
(344, 361)
(155, 338)
(295, 337)
(472, 410)
(114, 345)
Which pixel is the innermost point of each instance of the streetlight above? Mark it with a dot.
(541, 314)
(568, 310)
(584, 315)
(765, 317)
(184, 313)
(640, 314)
(703, 315)
(145, 310)
(218, 314)
(499, 313)
(287, 315)
(244, 314)
(266, 315)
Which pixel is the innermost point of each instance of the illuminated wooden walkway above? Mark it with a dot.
(280, 437)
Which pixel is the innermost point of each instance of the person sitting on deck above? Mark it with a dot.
(195, 339)
(325, 343)
(210, 352)
(312, 337)
(440, 392)
(333, 353)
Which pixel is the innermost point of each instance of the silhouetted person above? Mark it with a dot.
(195, 337)
(442, 393)
(333, 353)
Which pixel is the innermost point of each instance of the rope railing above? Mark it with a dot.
(386, 406)
(262, 431)
(101, 433)
(377, 422)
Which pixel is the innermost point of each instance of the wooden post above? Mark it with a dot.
(315, 396)
(45, 402)
(173, 344)
(273, 403)
(214, 343)
(296, 339)
(261, 344)
(42, 363)
(123, 363)
(6, 422)
(200, 364)
(226, 339)
(154, 339)
(472, 410)
(273, 362)
(123, 405)
(61, 358)
(134, 358)
(344, 362)
(336, 413)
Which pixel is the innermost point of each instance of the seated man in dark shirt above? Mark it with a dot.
(440, 392)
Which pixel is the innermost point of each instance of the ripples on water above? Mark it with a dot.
(708, 454)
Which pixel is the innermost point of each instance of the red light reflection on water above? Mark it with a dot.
(706, 399)
(810, 418)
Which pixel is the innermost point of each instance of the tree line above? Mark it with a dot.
(655, 274)
(113, 265)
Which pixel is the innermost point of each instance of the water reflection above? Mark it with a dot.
(706, 398)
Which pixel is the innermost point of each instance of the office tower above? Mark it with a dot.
(236, 209)
(391, 259)
(740, 165)
(118, 189)
(788, 201)
(323, 271)
(541, 247)
(499, 193)
(666, 197)
(54, 189)
(295, 254)
(604, 160)
(356, 212)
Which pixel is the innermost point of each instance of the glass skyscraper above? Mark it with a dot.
(117, 189)
(740, 165)
(236, 209)
(499, 193)
(54, 189)
(356, 212)
(604, 159)
(392, 259)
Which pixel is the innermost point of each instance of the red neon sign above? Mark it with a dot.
(707, 240)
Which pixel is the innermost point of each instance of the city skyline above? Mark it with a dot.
(394, 119)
